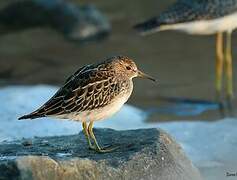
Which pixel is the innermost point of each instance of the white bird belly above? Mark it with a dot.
(205, 27)
(99, 113)
(104, 112)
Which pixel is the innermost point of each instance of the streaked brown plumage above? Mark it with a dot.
(94, 92)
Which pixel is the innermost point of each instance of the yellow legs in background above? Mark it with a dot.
(88, 132)
(229, 70)
(219, 69)
(221, 62)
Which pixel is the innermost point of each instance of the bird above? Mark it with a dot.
(202, 17)
(94, 92)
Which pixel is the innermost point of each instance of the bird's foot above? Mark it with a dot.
(104, 149)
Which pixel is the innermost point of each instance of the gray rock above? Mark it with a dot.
(141, 154)
(76, 23)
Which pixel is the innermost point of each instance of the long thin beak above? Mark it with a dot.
(143, 75)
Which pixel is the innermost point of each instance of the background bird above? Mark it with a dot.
(202, 17)
(92, 93)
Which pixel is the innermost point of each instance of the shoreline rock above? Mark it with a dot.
(74, 22)
(141, 154)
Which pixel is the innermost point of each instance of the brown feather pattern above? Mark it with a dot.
(90, 87)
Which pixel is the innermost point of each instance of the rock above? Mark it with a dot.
(141, 154)
(75, 23)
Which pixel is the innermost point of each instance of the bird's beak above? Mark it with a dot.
(143, 75)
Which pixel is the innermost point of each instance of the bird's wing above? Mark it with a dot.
(189, 10)
(178, 12)
(208, 9)
(87, 89)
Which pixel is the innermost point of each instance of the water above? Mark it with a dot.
(210, 145)
(183, 64)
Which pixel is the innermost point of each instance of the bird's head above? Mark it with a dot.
(127, 67)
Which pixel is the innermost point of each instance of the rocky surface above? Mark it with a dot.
(141, 154)
(75, 23)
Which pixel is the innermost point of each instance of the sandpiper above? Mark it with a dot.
(202, 17)
(94, 92)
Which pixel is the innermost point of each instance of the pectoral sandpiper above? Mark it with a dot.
(202, 17)
(92, 93)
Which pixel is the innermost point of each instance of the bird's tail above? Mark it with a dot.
(148, 27)
(32, 115)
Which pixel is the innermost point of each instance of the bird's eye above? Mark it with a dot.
(128, 68)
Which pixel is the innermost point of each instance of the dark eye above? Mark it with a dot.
(128, 68)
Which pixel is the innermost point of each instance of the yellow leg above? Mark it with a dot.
(85, 130)
(219, 64)
(97, 148)
(228, 66)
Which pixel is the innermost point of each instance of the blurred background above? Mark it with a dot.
(36, 57)
(183, 64)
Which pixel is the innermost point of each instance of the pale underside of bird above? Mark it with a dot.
(204, 27)
(194, 17)
(202, 17)
(92, 93)
(102, 112)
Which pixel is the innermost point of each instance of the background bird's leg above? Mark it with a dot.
(98, 148)
(219, 69)
(229, 71)
(219, 64)
(85, 130)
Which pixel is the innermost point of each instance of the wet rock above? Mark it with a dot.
(75, 23)
(26, 143)
(141, 154)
